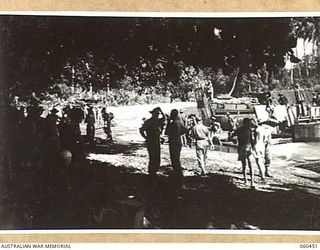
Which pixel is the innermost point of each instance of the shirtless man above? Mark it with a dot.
(262, 135)
(258, 146)
(244, 135)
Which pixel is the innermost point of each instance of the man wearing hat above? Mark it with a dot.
(174, 130)
(200, 134)
(282, 99)
(151, 131)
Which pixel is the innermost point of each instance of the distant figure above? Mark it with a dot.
(67, 141)
(77, 148)
(200, 134)
(174, 130)
(90, 120)
(282, 99)
(151, 131)
(316, 99)
(51, 138)
(183, 119)
(214, 133)
(34, 100)
(232, 123)
(300, 99)
(108, 117)
(66, 133)
(270, 105)
(244, 135)
(190, 124)
(90, 92)
(99, 115)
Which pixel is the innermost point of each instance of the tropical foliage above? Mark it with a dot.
(168, 57)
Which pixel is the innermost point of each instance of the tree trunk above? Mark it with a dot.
(306, 65)
(318, 56)
(298, 65)
(234, 82)
(299, 70)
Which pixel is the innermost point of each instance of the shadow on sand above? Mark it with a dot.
(99, 195)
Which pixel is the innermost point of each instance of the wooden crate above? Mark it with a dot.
(306, 132)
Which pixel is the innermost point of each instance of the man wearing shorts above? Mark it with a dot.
(244, 135)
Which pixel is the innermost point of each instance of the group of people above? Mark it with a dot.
(90, 120)
(54, 140)
(254, 140)
(175, 128)
(300, 101)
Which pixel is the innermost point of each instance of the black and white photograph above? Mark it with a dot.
(160, 122)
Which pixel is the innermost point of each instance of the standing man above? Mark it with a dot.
(215, 133)
(52, 146)
(175, 129)
(244, 134)
(200, 134)
(264, 133)
(108, 117)
(258, 146)
(232, 123)
(183, 119)
(151, 131)
(90, 120)
(300, 99)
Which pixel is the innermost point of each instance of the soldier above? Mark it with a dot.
(300, 100)
(77, 146)
(244, 134)
(258, 146)
(108, 117)
(215, 133)
(190, 124)
(90, 120)
(151, 131)
(183, 119)
(263, 134)
(200, 134)
(52, 140)
(52, 132)
(174, 130)
(232, 123)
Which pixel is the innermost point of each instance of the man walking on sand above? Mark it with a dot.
(151, 131)
(200, 134)
(174, 130)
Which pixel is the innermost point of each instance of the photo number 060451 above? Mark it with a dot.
(160, 122)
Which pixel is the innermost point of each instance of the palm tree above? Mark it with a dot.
(308, 28)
